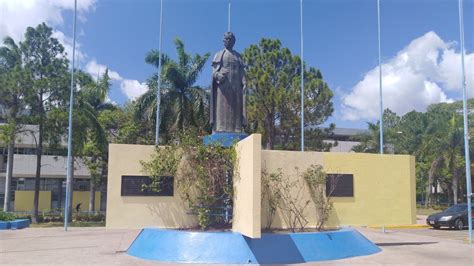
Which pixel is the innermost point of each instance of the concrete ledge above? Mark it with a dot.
(16, 224)
(401, 226)
(234, 248)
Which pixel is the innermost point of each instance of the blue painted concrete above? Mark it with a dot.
(234, 248)
(4, 225)
(225, 139)
(16, 224)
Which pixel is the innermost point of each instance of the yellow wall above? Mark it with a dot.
(83, 197)
(247, 183)
(384, 186)
(292, 164)
(24, 200)
(384, 189)
(139, 212)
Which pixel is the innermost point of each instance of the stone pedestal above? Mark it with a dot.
(225, 139)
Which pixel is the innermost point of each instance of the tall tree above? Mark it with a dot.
(89, 140)
(91, 102)
(183, 104)
(44, 56)
(370, 142)
(273, 96)
(13, 81)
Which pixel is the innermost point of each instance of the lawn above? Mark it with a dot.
(426, 211)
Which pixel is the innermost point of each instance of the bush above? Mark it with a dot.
(90, 217)
(5, 216)
(203, 175)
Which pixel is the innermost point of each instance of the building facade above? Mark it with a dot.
(53, 175)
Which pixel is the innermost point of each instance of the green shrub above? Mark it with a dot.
(5, 216)
(203, 175)
(90, 217)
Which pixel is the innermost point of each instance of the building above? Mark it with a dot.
(53, 175)
(345, 138)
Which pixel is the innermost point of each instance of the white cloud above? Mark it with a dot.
(67, 43)
(130, 87)
(420, 74)
(133, 88)
(95, 69)
(17, 15)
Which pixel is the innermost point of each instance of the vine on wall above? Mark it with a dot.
(287, 194)
(203, 176)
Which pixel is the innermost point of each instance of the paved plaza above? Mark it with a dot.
(88, 246)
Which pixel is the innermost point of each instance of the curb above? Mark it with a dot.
(406, 226)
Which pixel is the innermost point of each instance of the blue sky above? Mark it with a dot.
(419, 43)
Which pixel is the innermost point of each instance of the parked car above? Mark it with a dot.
(453, 217)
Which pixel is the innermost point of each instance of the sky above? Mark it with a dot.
(421, 59)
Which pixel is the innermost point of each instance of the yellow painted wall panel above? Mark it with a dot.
(384, 186)
(24, 200)
(292, 164)
(247, 187)
(140, 211)
(384, 189)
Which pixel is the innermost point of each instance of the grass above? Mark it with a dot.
(426, 211)
(72, 224)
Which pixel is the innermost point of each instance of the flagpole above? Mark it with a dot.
(69, 138)
(302, 76)
(466, 129)
(380, 78)
(158, 92)
(228, 17)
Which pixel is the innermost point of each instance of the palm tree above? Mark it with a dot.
(92, 99)
(183, 104)
(89, 138)
(13, 81)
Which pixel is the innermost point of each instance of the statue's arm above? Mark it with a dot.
(216, 65)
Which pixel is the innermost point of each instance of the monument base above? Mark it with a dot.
(180, 246)
(225, 139)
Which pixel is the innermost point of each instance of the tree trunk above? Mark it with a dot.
(455, 186)
(431, 174)
(270, 132)
(92, 189)
(450, 194)
(9, 175)
(92, 196)
(39, 152)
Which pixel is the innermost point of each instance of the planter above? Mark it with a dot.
(16, 224)
(234, 248)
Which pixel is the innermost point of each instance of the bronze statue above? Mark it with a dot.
(227, 92)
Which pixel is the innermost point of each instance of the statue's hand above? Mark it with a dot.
(220, 77)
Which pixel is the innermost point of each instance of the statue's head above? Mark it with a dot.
(229, 40)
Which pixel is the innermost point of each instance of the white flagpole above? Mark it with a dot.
(466, 129)
(302, 76)
(228, 17)
(69, 137)
(380, 79)
(158, 92)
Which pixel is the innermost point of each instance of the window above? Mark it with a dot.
(133, 186)
(340, 185)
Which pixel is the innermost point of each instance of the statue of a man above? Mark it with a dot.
(227, 92)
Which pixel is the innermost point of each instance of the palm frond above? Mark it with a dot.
(196, 68)
(183, 57)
